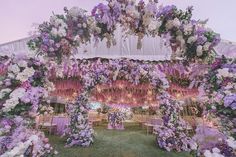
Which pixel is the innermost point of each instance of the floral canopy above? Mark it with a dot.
(26, 81)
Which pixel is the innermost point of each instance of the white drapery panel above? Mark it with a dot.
(152, 48)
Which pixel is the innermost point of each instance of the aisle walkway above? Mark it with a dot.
(132, 142)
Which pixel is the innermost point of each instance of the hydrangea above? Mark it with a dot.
(10, 104)
(18, 93)
(25, 74)
(14, 68)
(230, 101)
(231, 142)
(22, 63)
(5, 91)
(224, 73)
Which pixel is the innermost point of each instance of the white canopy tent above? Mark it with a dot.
(152, 49)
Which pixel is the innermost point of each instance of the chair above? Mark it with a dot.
(46, 123)
(153, 123)
(192, 123)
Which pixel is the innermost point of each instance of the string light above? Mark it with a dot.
(178, 95)
(149, 92)
(99, 89)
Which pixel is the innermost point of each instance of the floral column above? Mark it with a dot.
(173, 134)
(81, 134)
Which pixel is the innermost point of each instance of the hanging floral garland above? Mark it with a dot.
(188, 38)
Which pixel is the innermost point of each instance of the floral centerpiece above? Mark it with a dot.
(115, 118)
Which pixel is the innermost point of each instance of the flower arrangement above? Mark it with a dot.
(115, 118)
(188, 38)
(173, 134)
(22, 90)
(105, 71)
(17, 139)
(213, 143)
(60, 36)
(220, 86)
(80, 132)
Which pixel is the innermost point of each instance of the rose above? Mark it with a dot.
(192, 39)
(176, 22)
(206, 46)
(199, 51)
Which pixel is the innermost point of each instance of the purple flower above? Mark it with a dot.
(201, 40)
(230, 101)
(166, 10)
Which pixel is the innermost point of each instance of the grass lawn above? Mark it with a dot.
(132, 142)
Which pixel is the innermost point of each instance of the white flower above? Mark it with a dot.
(59, 73)
(176, 22)
(22, 63)
(18, 93)
(215, 150)
(206, 46)
(49, 86)
(75, 12)
(216, 153)
(224, 73)
(11, 75)
(62, 32)
(60, 23)
(188, 28)
(53, 19)
(3, 92)
(54, 31)
(154, 25)
(207, 153)
(229, 86)
(34, 138)
(84, 25)
(25, 74)
(231, 142)
(181, 40)
(58, 32)
(192, 39)
(199, 51)
(18, 150)
(14, 68)
(10, 104)
(169, 24)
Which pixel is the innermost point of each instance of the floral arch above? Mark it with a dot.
(58, 40)
(97, 71)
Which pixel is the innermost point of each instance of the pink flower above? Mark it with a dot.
(26, 84)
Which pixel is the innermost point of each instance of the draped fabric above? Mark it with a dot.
(152, 48)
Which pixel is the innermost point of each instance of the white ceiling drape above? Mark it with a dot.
(152, 48)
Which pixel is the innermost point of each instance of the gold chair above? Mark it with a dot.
(46, 124)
